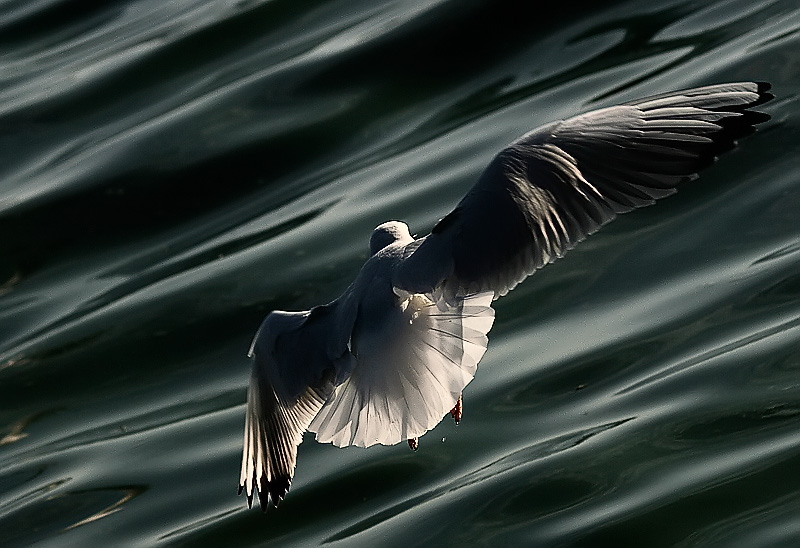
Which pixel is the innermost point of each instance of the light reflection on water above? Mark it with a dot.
(169, 173)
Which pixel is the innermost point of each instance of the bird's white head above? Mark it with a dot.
(386, 234)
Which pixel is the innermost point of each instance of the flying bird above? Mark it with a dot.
(388, 359)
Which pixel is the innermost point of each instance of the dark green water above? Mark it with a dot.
(172, 171)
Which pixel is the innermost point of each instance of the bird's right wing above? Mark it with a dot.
(551, 188)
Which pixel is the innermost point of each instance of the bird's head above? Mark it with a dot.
(387, 234)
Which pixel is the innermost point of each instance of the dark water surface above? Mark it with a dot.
(172, 171)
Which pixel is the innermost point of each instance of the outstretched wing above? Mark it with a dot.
(551, 188)
(298, 359)
(410, 371)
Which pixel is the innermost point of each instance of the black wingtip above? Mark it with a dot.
(278, 488)
(764, 95)
(271, 494)
(249, 495)
(263, 501)
(742, 121)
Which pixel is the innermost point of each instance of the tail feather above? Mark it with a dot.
(411, 375)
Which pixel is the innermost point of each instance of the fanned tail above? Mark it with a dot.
(411, 375)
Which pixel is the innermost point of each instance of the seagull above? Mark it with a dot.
(389, 359)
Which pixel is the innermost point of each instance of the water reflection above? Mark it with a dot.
(170, 173)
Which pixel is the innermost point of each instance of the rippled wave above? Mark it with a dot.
(172, 171)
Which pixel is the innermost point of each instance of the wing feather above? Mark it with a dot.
(296, 364)
(558, 184)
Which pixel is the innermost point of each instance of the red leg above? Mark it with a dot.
(458, 411)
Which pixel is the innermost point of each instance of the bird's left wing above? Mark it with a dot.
(551, 188)
(298, 358)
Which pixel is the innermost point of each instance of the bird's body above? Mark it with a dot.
(389, 358)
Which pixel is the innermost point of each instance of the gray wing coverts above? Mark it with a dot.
(552, 187)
